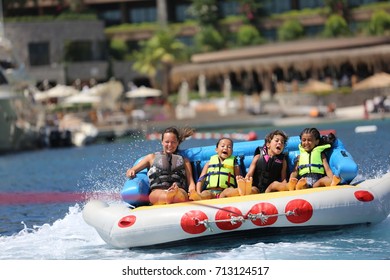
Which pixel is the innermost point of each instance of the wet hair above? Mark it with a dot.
(271, 135)
(325, 139)
(181, 133)
(328, 139)
(268, 139)
(224, 138)
(311, 130)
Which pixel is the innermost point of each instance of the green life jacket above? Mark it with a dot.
(220, 174)
(311, 162)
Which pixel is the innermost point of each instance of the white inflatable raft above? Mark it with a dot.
(314, 209)
(130, 224)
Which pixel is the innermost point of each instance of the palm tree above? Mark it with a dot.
(162, 15)
(159, 53)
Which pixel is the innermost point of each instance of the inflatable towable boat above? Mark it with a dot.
(134, 224)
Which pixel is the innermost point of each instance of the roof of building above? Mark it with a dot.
(301, 55)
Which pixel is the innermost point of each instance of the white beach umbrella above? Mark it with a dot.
(227, 89)
(60, 91)
(143, 92)
(183, 94)
(82, 99)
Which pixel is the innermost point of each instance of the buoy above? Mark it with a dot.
(252, 136)
(366, 128)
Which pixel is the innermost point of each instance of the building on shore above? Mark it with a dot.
(43, 46)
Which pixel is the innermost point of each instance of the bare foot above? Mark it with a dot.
(194, 195)
(301, 184)
(292, 183)
(335, 180)
(171, 193)
(248, 186)
(241, 186)
(181, 196)
(254, 190)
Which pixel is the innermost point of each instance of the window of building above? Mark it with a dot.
(311, 4)
(186, 40)
(111, 17)
(354, 3)
(313, 30)
(39, 53)
(277, 6)
(229, 8)
(78, 51)
(143, 14)
(133, 45)
(181, 13)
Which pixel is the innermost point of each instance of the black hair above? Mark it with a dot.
(324, 139)
(271, 135)
(224, 138)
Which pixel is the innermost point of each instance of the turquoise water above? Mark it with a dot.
(55, 229)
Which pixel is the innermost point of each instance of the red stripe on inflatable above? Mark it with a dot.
(213, 135)
(13, 198)
(364, 196)
(302, 209)
(264, 208)
(227, 213)
(190, 222)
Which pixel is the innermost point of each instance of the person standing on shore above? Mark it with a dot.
(170, 174)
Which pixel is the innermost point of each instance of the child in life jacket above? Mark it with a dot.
(170, 174)
(269, 163)
(218, 176)
(312, 169)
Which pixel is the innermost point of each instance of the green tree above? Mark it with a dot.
(336, 26)
(159, 53)
(248, 35)
(162, 14)
(76, 6)
(379, 23)
(204, 11)
(118, 49)
(290, 30)
(208, 39)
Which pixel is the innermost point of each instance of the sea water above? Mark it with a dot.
(55, 230)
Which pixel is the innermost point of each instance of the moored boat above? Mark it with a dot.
(19, 119)
(134, 224)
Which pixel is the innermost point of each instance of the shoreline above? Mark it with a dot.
(241, 119)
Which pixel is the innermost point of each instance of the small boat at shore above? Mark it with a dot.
(19, 115)
(135, 224)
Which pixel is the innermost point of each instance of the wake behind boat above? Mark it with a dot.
(122, 226)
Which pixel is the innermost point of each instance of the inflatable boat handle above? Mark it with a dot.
(264, 218)
(233, 220)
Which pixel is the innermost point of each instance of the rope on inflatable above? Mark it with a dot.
(241, 219)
